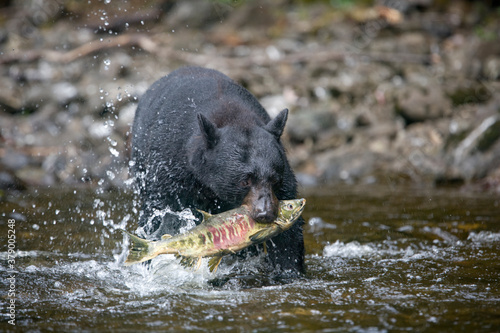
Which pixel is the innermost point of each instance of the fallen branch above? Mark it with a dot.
(139, 40)
(33, 151)
(148, 45)
(305, 56)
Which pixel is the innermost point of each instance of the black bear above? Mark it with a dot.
(200, 140)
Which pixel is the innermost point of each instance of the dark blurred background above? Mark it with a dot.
(392, 92)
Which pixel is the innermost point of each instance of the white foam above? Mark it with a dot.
(350, 250)
(484, 237)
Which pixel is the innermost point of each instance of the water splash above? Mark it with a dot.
(107, 63)
(349, 250)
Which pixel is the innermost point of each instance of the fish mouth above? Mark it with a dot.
(301, 209)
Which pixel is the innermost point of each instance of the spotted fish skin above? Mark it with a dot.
(216, 236)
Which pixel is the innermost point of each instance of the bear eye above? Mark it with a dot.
(275, 180)
(246, 182)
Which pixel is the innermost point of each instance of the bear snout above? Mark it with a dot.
(264, 216)
(263, 203)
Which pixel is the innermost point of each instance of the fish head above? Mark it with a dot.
(289, 212)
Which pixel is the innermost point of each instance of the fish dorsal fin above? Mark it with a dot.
(206, 215)
(166, 236)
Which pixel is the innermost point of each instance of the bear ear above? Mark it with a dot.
(277, 125)
(208, 130)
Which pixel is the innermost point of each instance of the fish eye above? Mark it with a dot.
(290, 206)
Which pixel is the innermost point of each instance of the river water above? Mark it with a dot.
(379, 259)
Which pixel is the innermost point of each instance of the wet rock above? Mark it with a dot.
(460, 56)
(126, 116)
(490, 183)
(117, 65)
(9, 181)
(418, 151)
(310, 125)
(196, 14)
(34, 176)
(463, 91)
(64, 92)
(10, 96)
(416, 103)
(14, 159)
(345, 165)
(491, 68)
(407, 43)
(306, 179)
(472, 153)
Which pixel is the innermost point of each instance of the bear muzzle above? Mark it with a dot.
(263, 203)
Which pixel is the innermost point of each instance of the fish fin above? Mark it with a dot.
(140, 250)
(206, 215)
(166, 236)
(186, 261)
(214, 262)
(280, 224)
(265, 247)
(198, 264)
(261, 236)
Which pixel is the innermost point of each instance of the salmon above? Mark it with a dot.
(218, 235)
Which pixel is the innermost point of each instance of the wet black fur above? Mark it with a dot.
(201, 141)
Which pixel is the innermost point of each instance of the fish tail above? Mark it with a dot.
(140, 250)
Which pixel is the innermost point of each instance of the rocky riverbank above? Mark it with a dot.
(385, 92)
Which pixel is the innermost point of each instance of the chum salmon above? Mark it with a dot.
(216, 236)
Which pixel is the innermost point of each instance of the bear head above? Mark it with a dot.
(241, 163)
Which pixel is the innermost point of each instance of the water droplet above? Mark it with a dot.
(110, 174)
(112, 142)
(114, 152)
